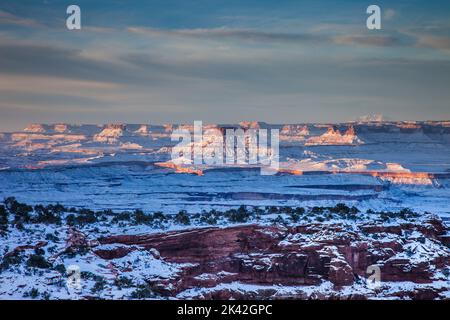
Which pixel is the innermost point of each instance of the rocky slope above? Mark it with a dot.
(272, 253)
(295, 259)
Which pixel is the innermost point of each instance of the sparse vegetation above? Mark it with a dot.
(209, 217)
(81, 219)
(38, 261)
(33, 293)
(57, 214)
(239, 215)
(48, 215)
(123, 282)
(141, 218)
(99, 285)
(182, 217)
(51, 237)
(3, 220)
(142, 292)
(15, 258)
(122, 216)
(60, 268)
(20, 211)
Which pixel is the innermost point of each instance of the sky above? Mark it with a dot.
(222, 61)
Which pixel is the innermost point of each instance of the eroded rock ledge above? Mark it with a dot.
(305, 261)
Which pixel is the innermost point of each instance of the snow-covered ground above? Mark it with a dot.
(69, 260)
(378, 166)
(375, 165)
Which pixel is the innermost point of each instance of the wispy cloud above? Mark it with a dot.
(175, 63)
(263, 36)
(341, 35)
(227, 33)
(9, 18)
(364, 40)
(431, 41)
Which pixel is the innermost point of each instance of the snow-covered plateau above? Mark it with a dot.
(110, 201)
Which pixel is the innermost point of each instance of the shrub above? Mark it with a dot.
(39, 251)
(20, 211)
(209, 217)
(240, 215)
(316, 210)
(87, 275)
(57, 208)
(182, 217)
(87, 212)
(3, 219)
(272, 209)
(51, 237)
(407, 213)
(11, 259)
(340, 208)
(123, 216)
(141, 218)
(38, 261)
(295, 217)
(446, 272)
(45, 295)
(99, 285)
(60, 268)
(142, 292)
(48, 215)
(279, 219)
(158, 215)
(286, 209)
(123, 282)
(257, 211)
(81, 219)
(33, 293)
(354, 210)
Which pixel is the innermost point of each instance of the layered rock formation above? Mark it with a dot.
(334, 137)
(249, 125)
(110, 133)
(61, 128)
(294, 133)
(143, 130)
(222, 262)
(35, 128)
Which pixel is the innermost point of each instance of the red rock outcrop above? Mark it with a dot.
(288, 256)
(18, 249)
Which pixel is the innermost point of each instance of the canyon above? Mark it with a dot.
(348, 201)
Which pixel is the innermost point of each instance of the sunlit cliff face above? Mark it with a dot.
(413, 178)
(334, 137)
(179, 168)
(41, 145)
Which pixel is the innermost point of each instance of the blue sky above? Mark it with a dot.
(222, 61)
